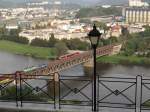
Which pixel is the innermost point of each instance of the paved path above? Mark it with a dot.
(30, 107)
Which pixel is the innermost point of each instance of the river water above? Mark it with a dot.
(11, 62)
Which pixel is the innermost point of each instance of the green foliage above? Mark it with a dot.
(76, 44)
(125, 31)
(39, 42)
(12, 35)
(101, 25)
(126, 60)
(14, 38)
(52, 40)
(137, 44)
(135, 49)
(98, 11)
(28, 50)
(61, 48)
(9, 93)
(146, 32)
(28, 94)
(45, 43)
(109, 41)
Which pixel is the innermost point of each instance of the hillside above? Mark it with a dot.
(14, 3)
(98, 11)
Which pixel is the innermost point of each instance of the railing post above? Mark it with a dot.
(20, 81)
(56, 88)
(16, 88)
(59, 92)
(138, 93)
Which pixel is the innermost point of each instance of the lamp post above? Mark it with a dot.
(94, 36)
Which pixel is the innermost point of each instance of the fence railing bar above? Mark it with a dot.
(117, 81)
(116, 78)
(127, 104)
(117, 107)
(105, 97)
(127, 98)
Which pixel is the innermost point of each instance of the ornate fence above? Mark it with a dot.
(39, 90)
(75, 91)
(116, 92)
(113, 92)
(8, 90)
(27, 89)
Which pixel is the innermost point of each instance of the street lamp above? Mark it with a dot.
(94, 36)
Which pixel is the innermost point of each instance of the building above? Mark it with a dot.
(11, 27)
(137, 15)
(137, 3)
(116, 31)
(135, 29)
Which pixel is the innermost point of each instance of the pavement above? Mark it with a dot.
(32, 107)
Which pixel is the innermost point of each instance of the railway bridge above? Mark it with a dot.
(62, 64)
(58, 65)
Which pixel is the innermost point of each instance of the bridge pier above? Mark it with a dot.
(88, 67)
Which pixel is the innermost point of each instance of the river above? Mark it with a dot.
(11, 62)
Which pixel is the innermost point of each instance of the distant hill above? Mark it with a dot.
(13, 3)
(10, 3)
(93, 2)
(98, 11)
(113, 2)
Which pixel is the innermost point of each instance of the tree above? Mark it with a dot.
(3, 30)
(61, 48)
(39, 42)
(101, 25)
(52, 40)
(76, 44)
(124, 31)
(113, 39)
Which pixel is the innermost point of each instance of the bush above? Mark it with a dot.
(22, 40)
(39, 42)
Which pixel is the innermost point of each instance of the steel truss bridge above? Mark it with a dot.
(62, 64)
(59, 65)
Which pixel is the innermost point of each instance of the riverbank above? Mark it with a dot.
(126, 60)
(27, 50)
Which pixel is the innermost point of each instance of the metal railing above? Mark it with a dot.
(74, 90)
(116, 92)
(27, 89)
(39, 89)
(113, 92)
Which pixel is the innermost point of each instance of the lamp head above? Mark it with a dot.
(94, 36)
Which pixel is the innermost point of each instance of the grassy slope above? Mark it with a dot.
(38, 52)
(124, 60)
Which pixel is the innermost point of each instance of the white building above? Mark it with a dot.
(11, 27)
(137, 3)
(135, 29)
(45, 34)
